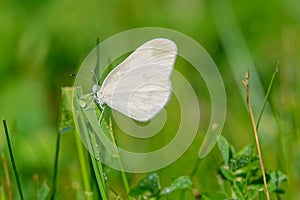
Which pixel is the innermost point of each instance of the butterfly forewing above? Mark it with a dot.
(140, 86)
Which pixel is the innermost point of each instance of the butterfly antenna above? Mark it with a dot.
(95, 77)
(96, 71)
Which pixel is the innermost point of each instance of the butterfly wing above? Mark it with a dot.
(140, 86)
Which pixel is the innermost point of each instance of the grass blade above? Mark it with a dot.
(84, 167)
(65, 124)
(123, 175)
(12, 159)
(87, 125)
(267, 95)
(55, 167)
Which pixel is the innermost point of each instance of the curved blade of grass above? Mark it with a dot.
(12, 159)
(94, 136)
(101, 136)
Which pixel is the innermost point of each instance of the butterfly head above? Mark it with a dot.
(96, 89)
(97, 95)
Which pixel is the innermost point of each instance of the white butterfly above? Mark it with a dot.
(140, 86)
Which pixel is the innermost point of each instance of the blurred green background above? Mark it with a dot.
(42, 42)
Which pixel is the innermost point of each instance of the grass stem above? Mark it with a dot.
(12, 159)
(55, 166)
(84, 167)
(97, 166)
(123, 175)
(245, 82)
(267, 95)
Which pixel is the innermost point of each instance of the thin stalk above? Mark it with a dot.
(264, 106)
(55, 166)
(98, 169)
(267, 95)
(12, 159)
(123, 175)
(245, 82)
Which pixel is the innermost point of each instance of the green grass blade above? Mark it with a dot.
(57, 146)
(267, 95)
(123, 175)
(88, 126)
(84, 167)
(12, 159)
(98, 135)
(99, 173)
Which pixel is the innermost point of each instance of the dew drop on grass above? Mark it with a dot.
(105, 176)
(167, 190)
(82, 103)
(97, 151)
(97, 155)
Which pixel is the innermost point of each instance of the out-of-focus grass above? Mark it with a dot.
(41, 43)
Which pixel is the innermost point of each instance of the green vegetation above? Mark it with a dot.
(43, 42)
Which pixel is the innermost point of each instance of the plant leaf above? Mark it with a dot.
(239, 162)
(245, 151)
(252, 195)
(275, 178)
(224, 148)
(238, 190)
(182, 182)
(225, 171)
(150, 184)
